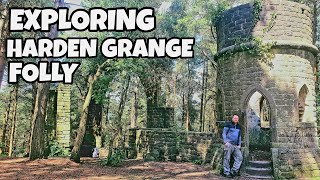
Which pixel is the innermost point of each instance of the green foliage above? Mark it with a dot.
(1, 145)
(262, 50)
(197, 161)
(257, 8)
(271, 23)
(216, 11)
(56, 150)
(115, 160)
(3, 155)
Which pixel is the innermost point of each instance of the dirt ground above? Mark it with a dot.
(62, 168)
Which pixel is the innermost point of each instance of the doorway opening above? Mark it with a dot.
(259, 127)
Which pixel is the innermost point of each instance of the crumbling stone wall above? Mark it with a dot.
(162, 144)
(279, 79)
(160, 117)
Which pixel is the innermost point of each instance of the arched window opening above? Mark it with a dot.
(302, 102)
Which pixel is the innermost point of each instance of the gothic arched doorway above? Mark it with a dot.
(258, 120)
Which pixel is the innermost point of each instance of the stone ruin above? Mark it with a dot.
(275, 97)
(59, 121)
(58, 117)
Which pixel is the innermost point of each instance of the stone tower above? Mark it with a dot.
(275, 97)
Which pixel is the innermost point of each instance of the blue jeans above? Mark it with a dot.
(233, 150)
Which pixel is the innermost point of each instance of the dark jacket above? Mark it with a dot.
(232, 134)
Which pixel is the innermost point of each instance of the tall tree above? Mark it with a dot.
(13, 119)
(37, 141)
(6, 118)
(4, 32)
(134, 103)
(75, 152)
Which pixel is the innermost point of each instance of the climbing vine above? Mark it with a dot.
(216, 12)
(259, 48)
(257, 8)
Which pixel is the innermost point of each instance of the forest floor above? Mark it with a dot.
(63, 168)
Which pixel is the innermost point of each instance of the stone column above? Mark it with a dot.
(63, 115)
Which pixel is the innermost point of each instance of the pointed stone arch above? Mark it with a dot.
(245, 98)
(305, 104)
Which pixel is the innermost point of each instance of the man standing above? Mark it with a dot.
(232, 143)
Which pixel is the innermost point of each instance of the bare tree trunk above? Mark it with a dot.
(14, 119)
(28, 138)
(134, 106)
(168, 101)
(105, 121)
(188, 100)
(187, 117)
(110, 148)
(6, 119)
(75, 153)
(205, 98)
(37, 143)
(117, 139)
(175, 91)
(202, 97)
(4, 33)
(95, 114)
(122, 105)
(183, 108)
(2, 66)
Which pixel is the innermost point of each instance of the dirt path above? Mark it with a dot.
(60, 168)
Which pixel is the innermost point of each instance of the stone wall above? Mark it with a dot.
(281, 78)
(163, 144)
(63, 115)
(236, 23)
(298, 157)
(289, 163)
(160, 117)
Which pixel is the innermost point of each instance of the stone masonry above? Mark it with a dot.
(160, 117)
(162, 144)
(63, 115)
(294, 141)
